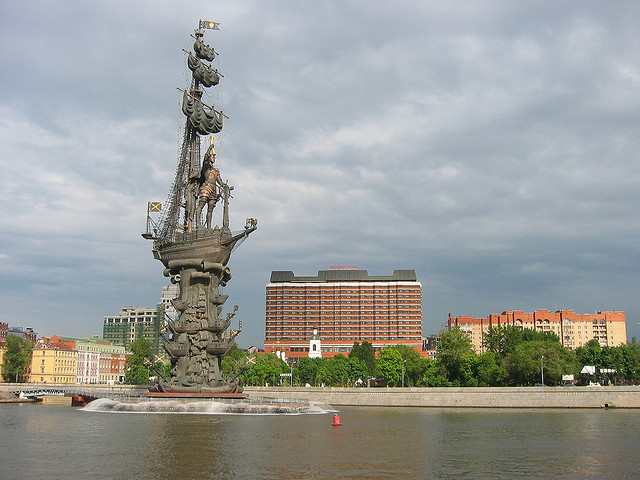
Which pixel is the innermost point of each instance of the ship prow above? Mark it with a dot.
(208, 244)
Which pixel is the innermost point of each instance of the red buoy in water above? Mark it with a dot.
(336, 420)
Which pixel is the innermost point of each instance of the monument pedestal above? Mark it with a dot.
(177, 395)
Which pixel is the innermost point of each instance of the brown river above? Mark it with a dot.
(54, 442)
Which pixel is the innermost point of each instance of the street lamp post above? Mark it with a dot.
(403, 362)
(542, 369)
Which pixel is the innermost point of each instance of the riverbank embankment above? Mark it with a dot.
(470, 397)
(6, 397)
(447, 397)
(123, 392)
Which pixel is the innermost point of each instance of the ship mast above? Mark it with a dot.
(178, 213)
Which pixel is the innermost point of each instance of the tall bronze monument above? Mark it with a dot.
(194, 253)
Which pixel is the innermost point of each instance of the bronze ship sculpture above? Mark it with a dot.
(194, 253)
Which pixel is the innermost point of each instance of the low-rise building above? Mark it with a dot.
(574, 329)
(53, 362)
(99, 361)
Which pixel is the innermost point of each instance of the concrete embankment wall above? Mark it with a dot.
(478, 397)
(498, 397)
(113, 391)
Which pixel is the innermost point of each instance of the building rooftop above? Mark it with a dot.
(344, 276)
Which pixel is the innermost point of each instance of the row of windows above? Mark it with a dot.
(601, 325)
(54, 353)
(566, 321)
(342, 290)
(346, 331)
(332, 328)
(128, 320)
(309, 325)
(327, 334)
(351, 339)
(327, 319)
(316, 298)
(334, 303)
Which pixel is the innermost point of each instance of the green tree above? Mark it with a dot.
(455, 353)
(530, 335)
(632, 362)
(266, 370)
(434, 375)
(615, 358)
(590, 353)
(525, 364)
(17, 358)
(338, 367)
(389, 366)
(307, 369)
(414, 365)
(367, 354)
(262, 374)
(502, 339)
(137, 366)
(358, 371)
(489, 370)
(323, 376)
(231, 362)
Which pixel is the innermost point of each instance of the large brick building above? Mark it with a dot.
(574, 329)
(344, 306)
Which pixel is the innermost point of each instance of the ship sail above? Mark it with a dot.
(205, 122)
(202, 73)
(204, 51)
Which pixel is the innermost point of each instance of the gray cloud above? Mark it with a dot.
(492, 147)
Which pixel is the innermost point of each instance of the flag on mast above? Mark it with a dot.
(211, 25)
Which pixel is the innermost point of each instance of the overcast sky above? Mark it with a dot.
(492, 146)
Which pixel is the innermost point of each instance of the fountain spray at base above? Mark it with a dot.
(210, 407)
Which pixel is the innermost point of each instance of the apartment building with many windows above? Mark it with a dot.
(133, 323)
(574, 329)
(344, 306)
(139, 322)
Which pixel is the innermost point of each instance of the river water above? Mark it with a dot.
(54, 442)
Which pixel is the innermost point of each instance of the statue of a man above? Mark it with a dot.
(209, 179)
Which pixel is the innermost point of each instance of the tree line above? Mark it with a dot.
(511, 357)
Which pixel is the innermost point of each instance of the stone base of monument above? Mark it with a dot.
(179, 395)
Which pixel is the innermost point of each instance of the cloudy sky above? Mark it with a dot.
(492, 146)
